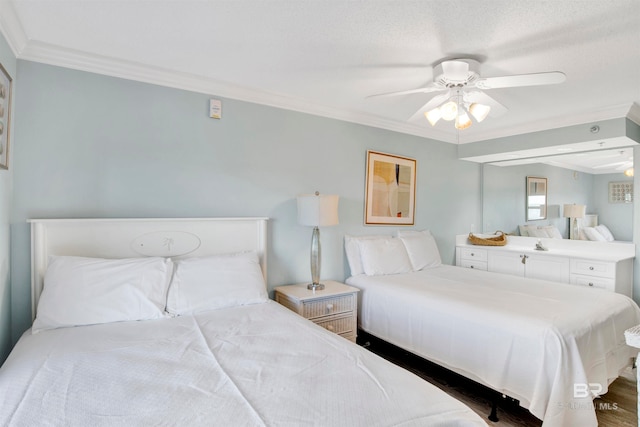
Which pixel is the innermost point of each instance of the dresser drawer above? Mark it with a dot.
(593, 268)
(594, 282)
(328, 306)
(470, 263)
(343, 325)
(474, 254)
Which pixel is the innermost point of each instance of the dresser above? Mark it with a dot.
(602, 265)
(335, 307)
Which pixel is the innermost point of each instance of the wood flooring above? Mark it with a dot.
(618, 408)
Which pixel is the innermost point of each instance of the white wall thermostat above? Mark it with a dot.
(215, 108)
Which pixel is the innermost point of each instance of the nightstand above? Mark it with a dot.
(335, 308)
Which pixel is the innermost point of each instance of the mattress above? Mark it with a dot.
(251, 365)
(549, 345)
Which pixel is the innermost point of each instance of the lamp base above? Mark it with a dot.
(315, 286)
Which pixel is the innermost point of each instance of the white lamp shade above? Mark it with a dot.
(317, 210)
(479, 111)
(433, 116)
(574, 211)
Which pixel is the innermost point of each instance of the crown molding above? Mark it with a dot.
(614, 112)
(12, 29)
(32, 50)
(68, 58)
(634, 114)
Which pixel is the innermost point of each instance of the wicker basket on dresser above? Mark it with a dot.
(334, 308)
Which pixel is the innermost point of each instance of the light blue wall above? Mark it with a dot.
(96, 146)
(618, 217)
(8, 61)
(504, 192)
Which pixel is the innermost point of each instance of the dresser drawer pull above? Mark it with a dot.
(590, 283)
(330, 328)
(591, 268)
(471, 266)
(329, 308)
(472, 254)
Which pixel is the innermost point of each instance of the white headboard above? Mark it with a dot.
(138, 237)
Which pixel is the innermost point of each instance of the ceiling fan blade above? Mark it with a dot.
(497, 109)
(535, 79)
(455, 70)
(427, 89)
(431, 104)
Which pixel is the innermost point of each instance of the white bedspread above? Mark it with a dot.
(536, 341)
(258, 365)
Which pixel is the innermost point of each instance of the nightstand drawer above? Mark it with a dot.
(335, 307)
(328, 306)
(339, 325)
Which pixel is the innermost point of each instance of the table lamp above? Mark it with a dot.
(573, 212)
(317, 210)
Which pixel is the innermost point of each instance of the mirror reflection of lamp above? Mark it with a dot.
(573, 212)
(317, 210)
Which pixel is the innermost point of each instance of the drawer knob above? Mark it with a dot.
(471, 266)
(590, 268)
(330, 328)
(329, 307)
(590, 284)
(472, 254)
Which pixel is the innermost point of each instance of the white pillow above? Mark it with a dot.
(592, 234)
(533, 231)
(352, 249)
(552, 231)
(384, 256)
(214, 282)
(537, 232)
(86, 291)
(606, 233)
(421, 248)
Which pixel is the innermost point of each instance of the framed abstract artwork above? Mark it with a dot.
(5, 115)
(621, 192)
(390, 189)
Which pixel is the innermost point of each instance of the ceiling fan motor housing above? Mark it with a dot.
(456, 73)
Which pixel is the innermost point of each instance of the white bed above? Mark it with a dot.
(247, 362)
(548, 345)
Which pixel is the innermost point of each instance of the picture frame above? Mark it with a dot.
(390, 189)
(5, 116)
(621, 192)
(536, 201)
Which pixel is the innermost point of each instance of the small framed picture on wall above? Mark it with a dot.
(5, 115)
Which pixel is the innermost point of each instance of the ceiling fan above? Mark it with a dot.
(463, 92)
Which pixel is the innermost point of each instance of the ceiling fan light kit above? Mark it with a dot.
(457, 77)
(457, 108)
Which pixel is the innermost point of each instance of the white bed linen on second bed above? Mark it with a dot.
(530, 339)
(251, 365)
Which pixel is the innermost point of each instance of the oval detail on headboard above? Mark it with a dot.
(166, 243)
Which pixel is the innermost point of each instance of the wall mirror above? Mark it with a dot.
(536, 198)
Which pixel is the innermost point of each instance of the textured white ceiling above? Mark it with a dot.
(327, 56)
